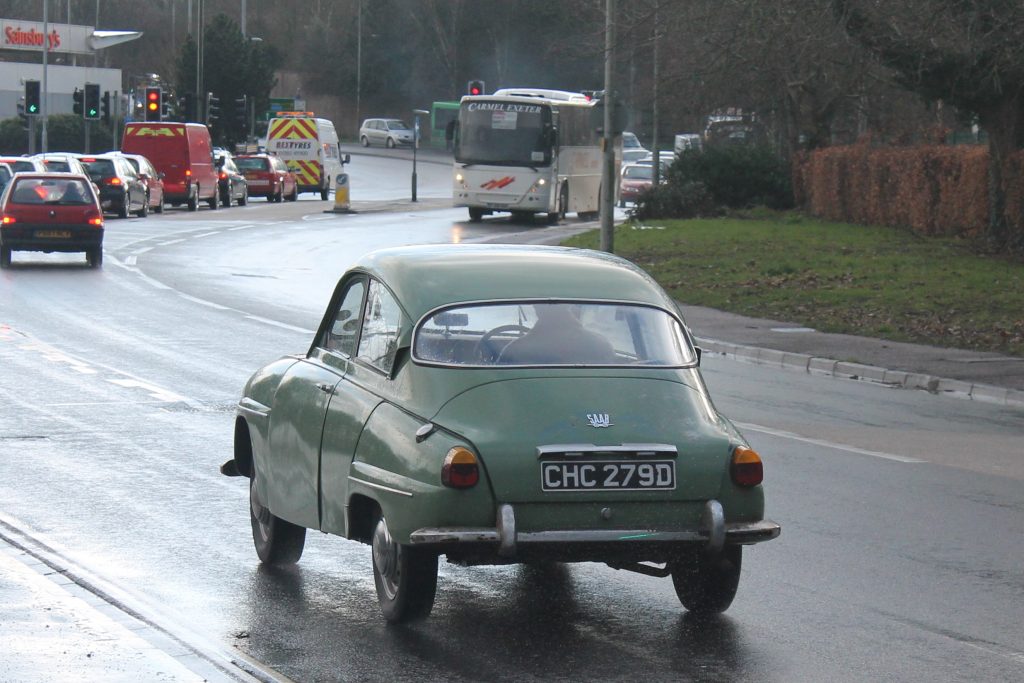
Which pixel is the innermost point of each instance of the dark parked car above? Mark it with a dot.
(121, 190)
(51, 212)
(268, 176)
(153, 179)
(230, 182)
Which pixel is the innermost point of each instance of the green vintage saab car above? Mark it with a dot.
(500, 404)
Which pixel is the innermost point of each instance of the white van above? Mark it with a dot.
(310, 148)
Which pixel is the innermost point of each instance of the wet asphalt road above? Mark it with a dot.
(898, 561)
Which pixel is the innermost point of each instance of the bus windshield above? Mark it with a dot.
(504, 133)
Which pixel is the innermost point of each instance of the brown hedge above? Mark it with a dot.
(932, 189)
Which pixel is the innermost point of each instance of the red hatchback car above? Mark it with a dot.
(51, 212)
(268, 177)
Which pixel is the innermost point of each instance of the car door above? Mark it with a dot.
(370, 356)
(300, 407)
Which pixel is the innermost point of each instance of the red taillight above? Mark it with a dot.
(223, 175)
(460, 469)
(96, 221)
(113, 181)
(188, 172)
(8, 219)
(746, 468)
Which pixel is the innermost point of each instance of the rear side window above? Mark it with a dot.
(69, 191)
(22, 166)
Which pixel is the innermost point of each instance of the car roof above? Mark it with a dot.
(52, 175)
(426, 277)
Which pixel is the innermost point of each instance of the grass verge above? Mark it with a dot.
(870, 281)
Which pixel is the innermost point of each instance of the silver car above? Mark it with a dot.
(388, 132)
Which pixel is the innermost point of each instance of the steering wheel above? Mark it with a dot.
(485, 351)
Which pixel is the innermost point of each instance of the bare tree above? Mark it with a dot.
(968, 54)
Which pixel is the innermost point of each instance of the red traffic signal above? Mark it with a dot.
(475, 88)
(154, 104)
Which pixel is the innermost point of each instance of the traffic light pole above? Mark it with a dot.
(608, 175)
(86, 125)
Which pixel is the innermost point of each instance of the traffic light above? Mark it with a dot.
(154, 104)
(187, 107)
(475, 88)
(242, 112)
(212, 109)
(78, 108)
(105, 106)
(32, 98)
(92, 101)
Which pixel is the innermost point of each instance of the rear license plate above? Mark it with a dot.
(620, 475)
(54, 234)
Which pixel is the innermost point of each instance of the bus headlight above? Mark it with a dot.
(460, 180)
(539, 186)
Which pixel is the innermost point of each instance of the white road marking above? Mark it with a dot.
(156, 392)
(275, 323)
(169, 243)
(203, 302)
(206, 234)
(241, 227)
(826, 444)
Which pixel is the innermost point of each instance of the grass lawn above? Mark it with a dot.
(870, 281)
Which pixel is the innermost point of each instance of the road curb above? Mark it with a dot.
(829, 367)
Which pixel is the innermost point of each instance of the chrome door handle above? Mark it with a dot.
(326, 388)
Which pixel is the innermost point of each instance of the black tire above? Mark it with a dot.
(213, 202)
(563, 204)
(122, 211)
(159, 208)
(277, 541)
(94, 256)
(708, 585)
(244, 199)
(144, 211)
(405, 577)
(5, 257)
(365, 140)
(476, 215)
(225, 198)
(390, 144)
(324, 192)
(193, 200)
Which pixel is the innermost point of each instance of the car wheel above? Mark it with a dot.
(94, 256)
(225, 198)
(159, 208)
(213, 201)
(476, 215)
(405, 577)
(563, 204)
(144, 211)
(244, 199)
(324, 191)
(277, 541)
(707, 585)
(5, 257)
(280, 194)
(193, 200)
(122, 211)
(390, 143)
(365, 140)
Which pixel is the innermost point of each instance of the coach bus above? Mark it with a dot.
(527, 151)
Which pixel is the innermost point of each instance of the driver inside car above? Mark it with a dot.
(558, 338)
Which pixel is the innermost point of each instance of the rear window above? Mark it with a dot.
(255, 164)
(553, 333)
(17, 166)
(643, 172)
(65, 191)
(55, 165)
(100, 168)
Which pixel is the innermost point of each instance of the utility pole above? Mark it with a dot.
(608, 174)
(45, 97)
(654, 114)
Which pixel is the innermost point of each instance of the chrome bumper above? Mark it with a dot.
(713, 533)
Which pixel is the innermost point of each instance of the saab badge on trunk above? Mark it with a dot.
(599, 419)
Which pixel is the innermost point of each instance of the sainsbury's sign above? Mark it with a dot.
(29, 35)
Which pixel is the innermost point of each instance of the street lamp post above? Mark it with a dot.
(415, 144)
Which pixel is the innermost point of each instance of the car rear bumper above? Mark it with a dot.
(507, 542)
(66, 238)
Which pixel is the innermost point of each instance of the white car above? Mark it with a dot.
(388, 132)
